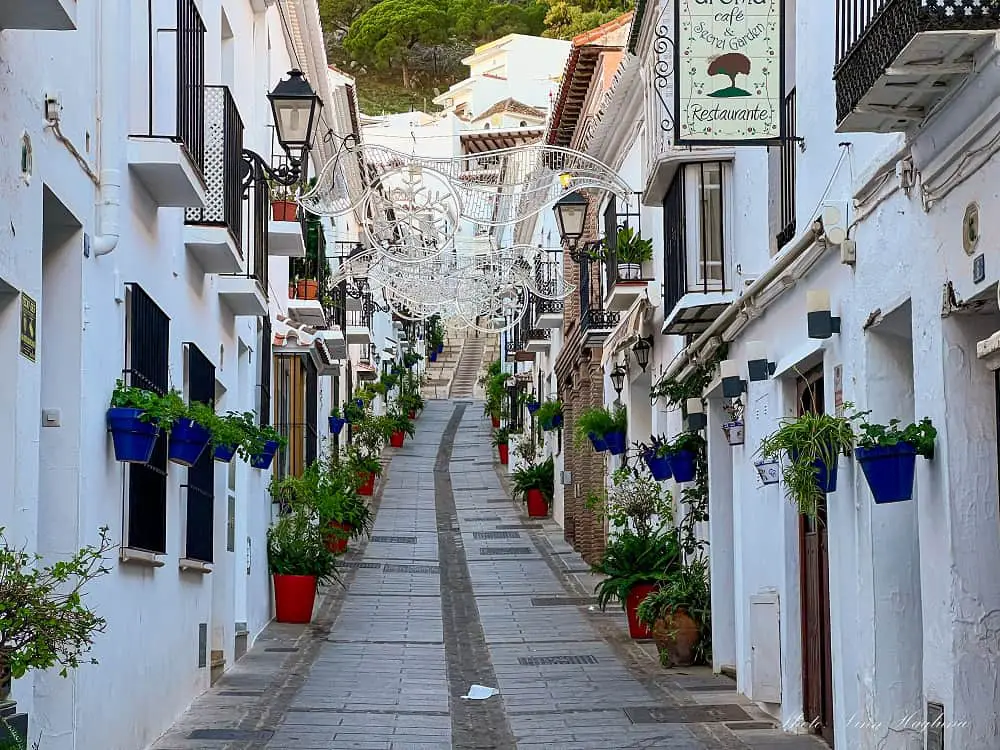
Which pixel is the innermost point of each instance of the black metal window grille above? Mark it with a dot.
(853, 19)
(264, 376)
(200, 477)
(147, 363)
(611, 241)
(674, 244)
(584, 287)
(788, 156)
(180, 17)
(312, 409)
(515, 419)
(223, 165)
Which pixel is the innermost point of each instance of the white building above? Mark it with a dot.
(127, 227)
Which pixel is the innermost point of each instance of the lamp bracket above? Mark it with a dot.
(257, 170)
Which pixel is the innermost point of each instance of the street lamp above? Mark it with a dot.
(296, 108)
(618, 379)
(641, 350)
(571, 216)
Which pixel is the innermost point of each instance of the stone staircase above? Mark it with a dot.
(463, 382)
(457, 370)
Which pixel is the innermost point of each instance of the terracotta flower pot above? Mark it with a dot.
(636, 629)
(677, 635)
(367, 479)
(504, 451)
(307, 289)
(337, 543)
(396, 439)
(537, 507)
(496, 422)
(284, 210)
(294, 597)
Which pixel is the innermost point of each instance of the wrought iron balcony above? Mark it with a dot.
(897, 59)
(245, 292)
(537, 339)
(597, 326)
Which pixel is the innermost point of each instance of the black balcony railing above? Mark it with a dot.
(256, 207)
(223, 168)
(550, 307)
(363, 317)
(788, 151)
(870, 35)
(176, 104)
(599, 320)
(538, 334)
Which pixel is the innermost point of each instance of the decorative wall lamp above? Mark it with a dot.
(571, 216)
(641, 351)
(821, 322)
(757, 364)
(696, 417)
(733, 386)
(618, 379)
(296, 108)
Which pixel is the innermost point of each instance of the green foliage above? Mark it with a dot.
(482, 20)
(631, 558)
(548, 411)
(411, 358)
(398, 421)
(353, 413)
(676, 392)
(501, 437)
(409, 400)
(629, 248)
(803, 441)
(636, 502)
(362, 463)
(920, 435)
(535, 477)
(686, 441)
(163, 410)
(340, 14)
(496, 392)
(567, 18)
(686, 588)
(598, 421)
(296, 547)
(44, 621)
(327, 489)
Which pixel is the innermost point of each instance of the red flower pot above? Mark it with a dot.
(504, 451)
(337, 543)
(636, 629)
(537, 507)
(413, 413)
(396, 439)
(307, 289)
(294, 597)
(284, 210)
(367, 479)
(496, 422)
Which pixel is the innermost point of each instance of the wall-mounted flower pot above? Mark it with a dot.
(504, 452)
(294, 597)
(683, 465)
(188, 441)
(396, 439)
(533, 406)
(768, 471)
(224, 453)
(440, 349)
(338, 536)
(264, 458)
(360, 403)
(598, 442)
(678, 635)
(637, 630)
(659, 466)
(307, 289)
(629, 272)
(537, 507)
(495, 421)
(545, 424)
(367, 480)
(889, 471)
(557, 421)
(133, 439)
(433, 356)
(735, 432)
(615, 441)
(284, 210)
(337, 425)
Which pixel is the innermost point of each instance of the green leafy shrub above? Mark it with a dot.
(534, 477)
(296, 547)
(920, 435)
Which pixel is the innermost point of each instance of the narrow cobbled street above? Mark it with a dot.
(456, 588)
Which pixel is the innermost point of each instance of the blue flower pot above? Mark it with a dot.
(336, 425)
(598, 442)
(263, 460)
(360, 403)
(889, 471)
(826, 477)
(683, 465)
(188, 441)
(557, 421)
(616, 442)
(434, 356)
(440, 349)
(659, 466)
(546, 424)
(533, 406)
(224, 453)
(133, 439)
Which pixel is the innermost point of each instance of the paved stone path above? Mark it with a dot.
(457, 588)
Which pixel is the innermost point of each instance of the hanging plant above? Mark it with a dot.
(676, 392)
(888, 454)
(734, 428)
(594, 425)
(683, 453)
(550, 415)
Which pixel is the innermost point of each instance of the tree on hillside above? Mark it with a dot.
(567, 18)
(479, 21)
(389, 30)
(338, 15)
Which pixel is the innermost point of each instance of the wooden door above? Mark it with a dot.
(817, 667)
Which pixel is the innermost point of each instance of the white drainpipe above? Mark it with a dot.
(112, 85)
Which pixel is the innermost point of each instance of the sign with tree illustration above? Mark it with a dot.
(728, 72)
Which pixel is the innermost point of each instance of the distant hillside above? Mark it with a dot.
(404, 52)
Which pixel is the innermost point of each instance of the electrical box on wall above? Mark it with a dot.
(567, 478)
(765, 649)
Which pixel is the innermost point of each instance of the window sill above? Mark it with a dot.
(140, 557)
(194, 566)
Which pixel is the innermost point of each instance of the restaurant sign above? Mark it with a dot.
(728, 72)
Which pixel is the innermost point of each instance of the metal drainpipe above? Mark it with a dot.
(112, 139)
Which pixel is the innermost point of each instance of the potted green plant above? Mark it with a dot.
(192, 432)
(501, 441)
(261, 444)
(682, 453)
(535, 485)
(298, 560)
(399, 426)
(410, 401)
(810, 445)
(283, 205)
(132, 422)
(734, 429)
(616, 436)
(679, 613)
(228, 433)
(593, 424)
(642, 548)
(533, 403)
(630, 251)
(656, 458)
(550, 415)
(353, 413)
(888, 456)
(336, 421)
(45, 622)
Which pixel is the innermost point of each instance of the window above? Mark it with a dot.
(296, 403)
(200, 487)
(147, 361)
(264, 376)
(786, 169)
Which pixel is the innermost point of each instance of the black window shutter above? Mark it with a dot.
(201, 477)
(147, 362)
(264, 417)
(312, 406)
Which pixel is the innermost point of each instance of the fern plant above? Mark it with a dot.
(631, 559)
